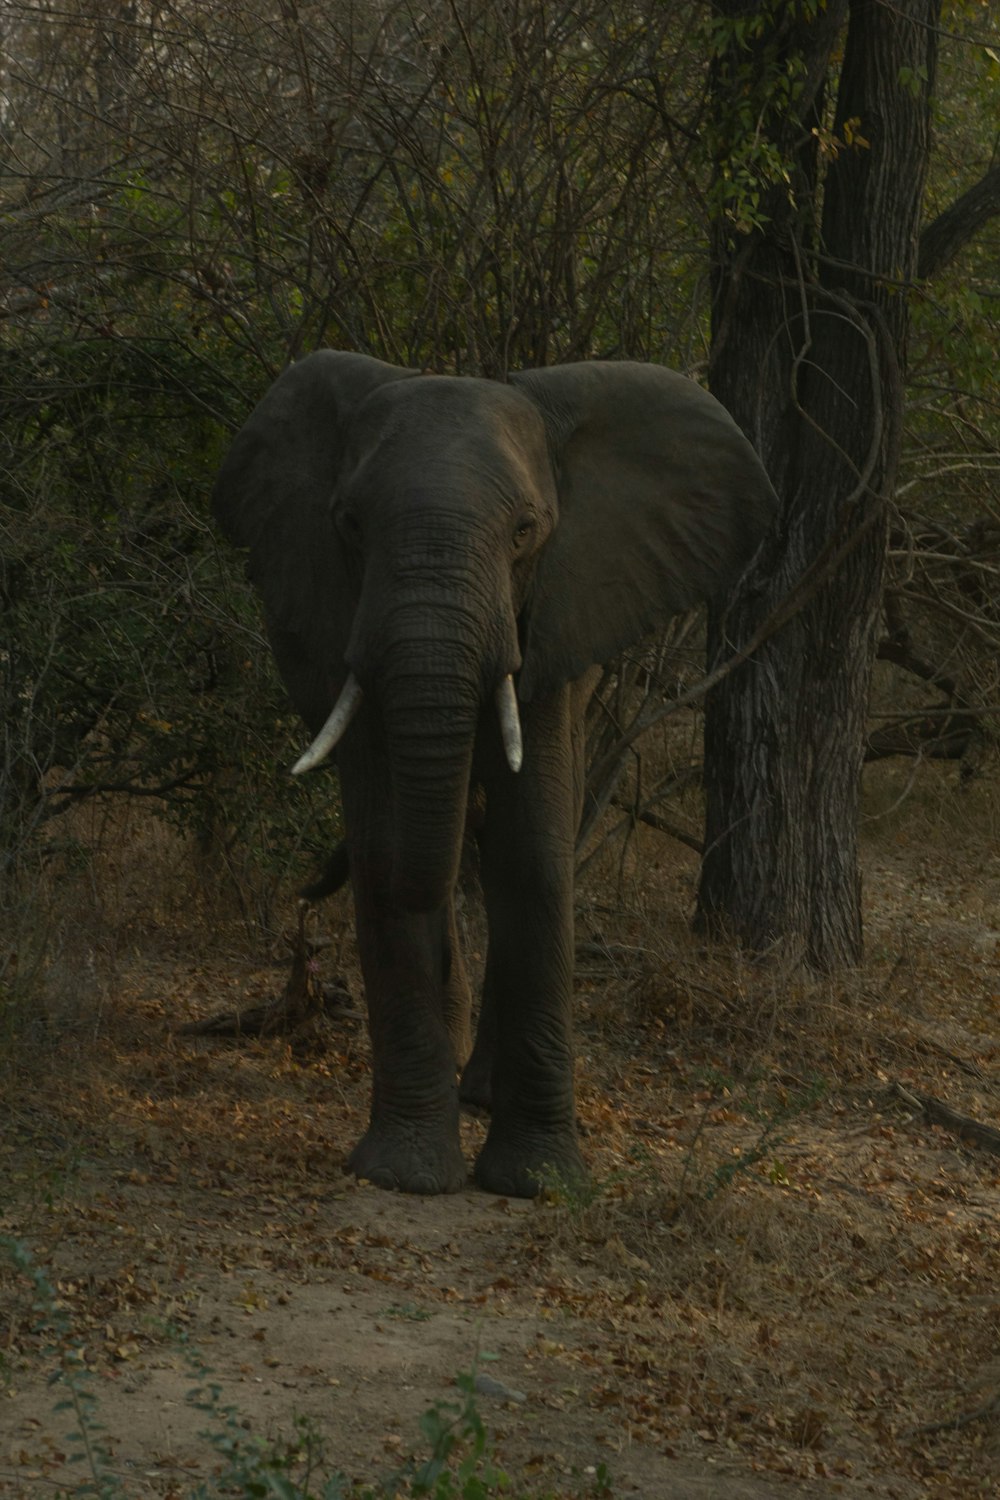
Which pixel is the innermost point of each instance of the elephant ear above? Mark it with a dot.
(273, 495)
(662, 502)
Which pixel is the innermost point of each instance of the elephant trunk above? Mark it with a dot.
(432, 651)
(430, 736)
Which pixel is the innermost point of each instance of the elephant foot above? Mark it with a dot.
(523, 1166)
(407, 1159)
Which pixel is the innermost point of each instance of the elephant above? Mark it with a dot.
(444, 563)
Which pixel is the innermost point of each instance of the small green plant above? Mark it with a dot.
(252, 1467)
(602, 1483)
(773, 1118)
(71, 1374)
(459, 1465)
(577, 1194)
(574, 1194)
(449, 1426)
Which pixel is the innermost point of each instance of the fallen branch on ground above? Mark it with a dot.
(964, 1419)
(968, 1130)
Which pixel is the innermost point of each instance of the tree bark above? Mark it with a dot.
(810, 317)
(948, 234)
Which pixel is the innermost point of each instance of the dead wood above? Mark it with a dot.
(969, 1131)
(963, 1419)
(662, 825)
(302, 1002)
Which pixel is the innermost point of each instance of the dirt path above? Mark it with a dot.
(352, 1309)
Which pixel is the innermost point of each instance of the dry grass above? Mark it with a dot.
(780, 1267)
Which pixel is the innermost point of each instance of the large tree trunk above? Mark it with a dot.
(809, 341)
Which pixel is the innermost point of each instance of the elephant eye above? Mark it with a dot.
(522, 531)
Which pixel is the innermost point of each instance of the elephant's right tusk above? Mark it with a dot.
(510, 723)
(344, 710)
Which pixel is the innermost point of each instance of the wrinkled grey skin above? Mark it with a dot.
(431, 534)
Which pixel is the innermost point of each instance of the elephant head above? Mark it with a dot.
(422, 543)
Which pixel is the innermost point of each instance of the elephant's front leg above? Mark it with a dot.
(527, 853)
(417, 997)
(412, 1140)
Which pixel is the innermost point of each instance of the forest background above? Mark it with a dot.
(787, 1265)
(192, 196)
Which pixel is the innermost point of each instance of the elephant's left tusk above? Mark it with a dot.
(510, 723)
(344, 710)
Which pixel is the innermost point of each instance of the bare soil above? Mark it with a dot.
(786, 1280)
